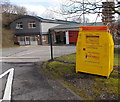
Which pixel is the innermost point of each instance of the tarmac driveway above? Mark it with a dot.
(29, 81)
(34, 53)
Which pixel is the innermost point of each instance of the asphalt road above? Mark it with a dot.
(34, 53)
(29, 81)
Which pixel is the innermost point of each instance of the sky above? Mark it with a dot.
(42, 7)
(37, 6)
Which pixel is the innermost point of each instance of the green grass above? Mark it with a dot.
(72, 57)
(106, 86)
(7, 38)
(88, 86)
(60, 69)
(69, 58)
(117, 56)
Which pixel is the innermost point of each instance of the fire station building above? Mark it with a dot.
(68, 33)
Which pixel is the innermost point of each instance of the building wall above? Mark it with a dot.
(25, 29)
(46, 26)
(40, 29)
(27, 40)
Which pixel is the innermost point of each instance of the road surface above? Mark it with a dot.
(29, 82)
(34, 53)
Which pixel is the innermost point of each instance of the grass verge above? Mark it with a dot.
(87, 86)
(7, 38)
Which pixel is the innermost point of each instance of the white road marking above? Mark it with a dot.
(27, 52)
(7, 92)
(20, 58)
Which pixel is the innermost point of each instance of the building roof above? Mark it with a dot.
(54, 20)
(45, 20)
(74, 26)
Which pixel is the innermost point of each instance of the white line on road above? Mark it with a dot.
(19, 57)
(7, 92)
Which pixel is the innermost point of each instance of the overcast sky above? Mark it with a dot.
(40, 7)
(37, 6)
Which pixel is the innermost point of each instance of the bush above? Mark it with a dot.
(7, 38)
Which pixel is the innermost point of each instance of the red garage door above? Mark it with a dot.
(73, 36)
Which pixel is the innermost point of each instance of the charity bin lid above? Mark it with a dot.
(93, 28)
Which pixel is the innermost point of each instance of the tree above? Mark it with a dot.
(82, 7)
(32, 13)
(10, 12)
(13, 9)
(49, 14)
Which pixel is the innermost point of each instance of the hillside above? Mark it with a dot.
(7, 38)
(9, 13)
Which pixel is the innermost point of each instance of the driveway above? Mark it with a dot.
(34, 53)
(29, 81)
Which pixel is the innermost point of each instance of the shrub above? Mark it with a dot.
(7, 38)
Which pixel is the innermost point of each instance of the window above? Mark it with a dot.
(21, 38)
(33, 38)
(32, 24)
(19, 25)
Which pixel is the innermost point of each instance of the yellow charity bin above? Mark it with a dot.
(95, 50)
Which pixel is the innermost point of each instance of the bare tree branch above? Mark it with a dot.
(88, 7)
